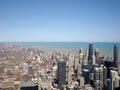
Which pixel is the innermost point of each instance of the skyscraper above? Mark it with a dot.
(114, 80)
(97, 55)
(90, 53)
(115, 55)
(98, 78)
(86, 75)
(93, 60)
(104, 77)
(61, 73)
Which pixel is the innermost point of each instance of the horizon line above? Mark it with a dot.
(60, 41)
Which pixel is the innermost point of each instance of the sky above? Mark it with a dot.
(60, 20)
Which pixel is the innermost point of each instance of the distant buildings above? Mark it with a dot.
(56, 71)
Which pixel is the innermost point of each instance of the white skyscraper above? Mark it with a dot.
(93, 59)
(114, 80)
(98, 78)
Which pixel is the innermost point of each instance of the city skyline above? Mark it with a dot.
(61, 21)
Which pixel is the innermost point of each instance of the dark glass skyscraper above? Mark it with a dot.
(115, 55)
(61, 73)
(90, 53)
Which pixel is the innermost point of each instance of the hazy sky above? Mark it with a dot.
(60, 20)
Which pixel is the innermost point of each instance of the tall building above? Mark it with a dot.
(90, 53)
(81, 57)
(76, 63)
(98, 78)
(86, 75)
(79, 72)
(81, 83)
(115, 59)
(69, 76)
(93, 60)
(104, 77)
(97, 55)
(71, 59)
(61, 73)
(86, 57)
(108, 64)
(114, 80)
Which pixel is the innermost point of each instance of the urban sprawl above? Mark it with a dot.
(23, 68)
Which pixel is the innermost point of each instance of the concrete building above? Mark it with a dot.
(81, 83)
(104, 77)
(114, 80)
(98, 78)
(97, 55)
(93, 60)
(71, 59)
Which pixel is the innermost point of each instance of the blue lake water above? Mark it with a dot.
(105, 48)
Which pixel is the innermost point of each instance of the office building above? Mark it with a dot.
(61, 73)
(71, 59)
(85, 59)
(114, 80)
(115, 56)
(108, 64)
(90, 53)
(81, 83)
(93, 60)
(97, 55)
(98, 78)
(86, 75)
(104, 77)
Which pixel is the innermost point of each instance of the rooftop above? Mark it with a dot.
(28, 84)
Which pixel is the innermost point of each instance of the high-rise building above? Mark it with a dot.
(81, 83)
(114, 80)
(86, 75)
(79, 72)
(104, 77)
(98, 78)
(76, 63)
(93, 60)
(86, 57)
(69, 76)
(90, 53)
(71, 59)
(61, 73)
(81, 58)
(115, 55)
(97, 55)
